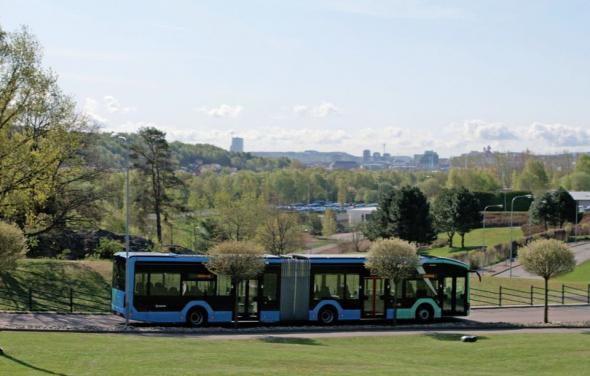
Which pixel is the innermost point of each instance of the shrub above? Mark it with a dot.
(13, 246)
(108, 247)
(66, 254)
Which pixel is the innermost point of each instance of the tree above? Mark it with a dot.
(547, 258)
(239, 217)
(404, 214)
(13, 246)
(239, 260)
(533, 177)
(468, 214)
(565, 206)
(151, 156)
(544, 210)
(394, 259)
(279, 233)
(329, 225)
(357, 237)
(445, 213)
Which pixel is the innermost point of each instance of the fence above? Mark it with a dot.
(65, 301)
(535, 295)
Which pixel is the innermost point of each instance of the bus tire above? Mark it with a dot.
(424, 313)
(196, 317)
(327, 315)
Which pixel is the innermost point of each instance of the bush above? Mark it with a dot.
(107, 248)
(66, 254)
(13, 246)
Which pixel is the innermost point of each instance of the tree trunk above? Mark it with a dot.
(546, 317)
(451, 235)
(462, 240)
(394, 321)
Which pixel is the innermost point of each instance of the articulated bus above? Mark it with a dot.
(171, 288)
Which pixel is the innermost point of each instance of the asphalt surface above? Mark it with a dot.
(581, 253)
(478, 317)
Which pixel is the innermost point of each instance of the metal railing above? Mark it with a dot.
(535, 295)
(69, 300)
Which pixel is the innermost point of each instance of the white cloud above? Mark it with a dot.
(91, 109)
(222, 111)
(559, 134)
(320, 111)
(96, 109)
(482, 131)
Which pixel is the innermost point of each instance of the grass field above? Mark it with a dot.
(436, 354)
(580, 275)
(474, 239)
(54, 276)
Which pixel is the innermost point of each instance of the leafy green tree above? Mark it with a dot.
(151, 156)
(394, 259)
(583, 164)
(533, 177)
(468, 214)
(239, 260)
(239, 217)
(329, 224)
(279, 233)
(544, 210)
(404, 214)
(578, 181)
(13, 246)
(565, 206)
(108, 247)
(547, 258)
(445, 213)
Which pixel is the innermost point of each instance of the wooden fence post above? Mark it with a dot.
(500, 296)
(532, 295)
(71, 300)
(30, 299)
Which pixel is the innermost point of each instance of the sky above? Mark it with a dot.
(331, 75)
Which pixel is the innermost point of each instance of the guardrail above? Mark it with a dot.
(69, 300)
(535, 295)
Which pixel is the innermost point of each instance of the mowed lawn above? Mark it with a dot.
(475, 239)
(581, 274)
(436, 354)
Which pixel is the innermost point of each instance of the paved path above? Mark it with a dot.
(581, 252)
(77, 322)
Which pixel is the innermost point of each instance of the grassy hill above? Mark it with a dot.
(475, 238)
(51, 281)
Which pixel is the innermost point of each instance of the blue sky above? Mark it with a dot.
(452, 76)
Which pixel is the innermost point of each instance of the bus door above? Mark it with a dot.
(248, 299)
(453, 296)
(374, 297)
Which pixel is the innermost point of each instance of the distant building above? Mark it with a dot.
(366, 156)
(376, 156)
(343, 165)
(359, 215)
(583, 199)
(428, 160)
(237, 145)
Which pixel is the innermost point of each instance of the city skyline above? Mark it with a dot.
(326, 75)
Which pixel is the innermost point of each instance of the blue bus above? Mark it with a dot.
(173, 288)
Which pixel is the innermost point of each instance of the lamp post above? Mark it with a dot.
(126, 229)
(483, 233)
(511, 217)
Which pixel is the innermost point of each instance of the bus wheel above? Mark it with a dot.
(424, 313)
(327, 316)
(196, 317)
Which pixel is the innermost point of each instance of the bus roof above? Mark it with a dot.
(313, 258)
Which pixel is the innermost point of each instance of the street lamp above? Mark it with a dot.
(126, 141)
(511, 216)
(483, 233)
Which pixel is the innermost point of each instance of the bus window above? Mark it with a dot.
(141, 284)
(328, 286)
(119, 273)
(460, 294)
(198, 288)
(269, 287)
(351, 291)
(164, 284)
(223, 285)
(417, 288)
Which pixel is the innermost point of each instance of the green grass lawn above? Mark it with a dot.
(580, 275)
(436, 354)
(55, 276)
(474, 239)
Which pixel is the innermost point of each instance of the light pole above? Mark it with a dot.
(483, 233)
(511, 216)
(126, 229)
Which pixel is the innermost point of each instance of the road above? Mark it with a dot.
(106, 323)
(581, 252)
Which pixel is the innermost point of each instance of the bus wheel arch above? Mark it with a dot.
(328, 315)
(196, 316)
(424, 313)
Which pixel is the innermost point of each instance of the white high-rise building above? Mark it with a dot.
(237, 145)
